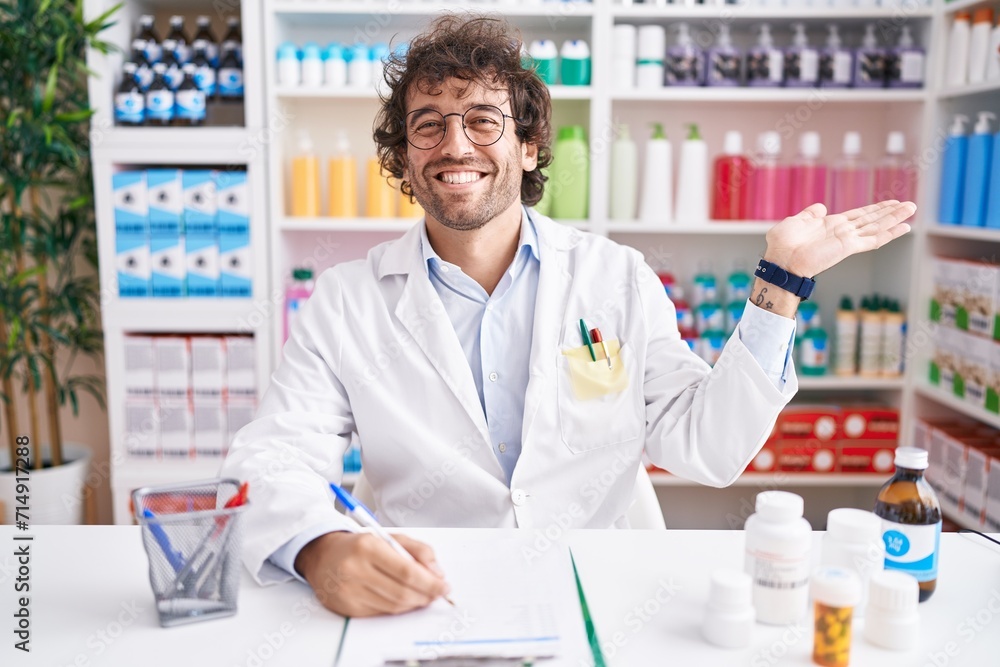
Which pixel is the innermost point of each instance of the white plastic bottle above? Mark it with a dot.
(312, 66)
(853, 540)
(846, 354)
(870, 346)
(649, 57)
(624, 177)
(289, 65)
(778, 542)
(993, 54)
(657, 202)
(379, 55)
(957, 72)
(893, 339)
(692, 184)
(359, 69)
(979, 42)
(623, 58)
(334, 66)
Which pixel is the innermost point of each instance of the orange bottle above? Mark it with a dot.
(343, 180)
(408, 208)
(305, 180)
(381, 196)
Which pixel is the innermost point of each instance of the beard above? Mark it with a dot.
(465, 211)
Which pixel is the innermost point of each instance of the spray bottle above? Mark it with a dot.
(624, 176)
(692, 185)
(801, 60)
(977, 172)
(869, 65)
(956, 152)
(657, 180)
(724, 61)
(905, 63)
(836, 63)
(765, 62)
(685, 63)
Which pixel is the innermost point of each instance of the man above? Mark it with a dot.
(455, 353)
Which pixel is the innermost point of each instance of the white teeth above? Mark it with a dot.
(457, 177)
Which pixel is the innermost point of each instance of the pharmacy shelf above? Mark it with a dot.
(324, 224)
(149, 471)
(960, 232)
(733, 13)
(150, 141)
(184, 315)
(969, 5)
(783, 479)
(728, 228)
(962, 520)
(957, 404)
(835, 383)
(984, 88)
(366, 93)
(421, 9)
(747, 95)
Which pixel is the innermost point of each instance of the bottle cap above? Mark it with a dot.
(769, 143)
(658, 132)
(146, 20)
(847, 524)
(203, 21)
(287, 51)
(576, 49)
(188, 68)
(764, 40)
(624, 40)
(852, 143)
(725, 38)
(623, 132)
(129, 68)
(913, 458)
(730, 615)
(176, 20)
(964, 15)
(983, 15)
(891, 619)
(543, 49)
(683, 34)
(652, 42)
(693, 134)
(906, 38)
(310, 51)
(800, 38)
(380, 52)
(571, 132)
(869, 41)
(835, 587)
(733, 143)
(302, 274)
(833, 39)
(958, 125)
(359, 52)
(730, 590)
(334, 51)
(896, 143)
(779, 506)
(846, 303)
(809, 145)
(983, 124)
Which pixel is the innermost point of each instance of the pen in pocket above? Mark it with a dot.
(586, 339)
(595, 334)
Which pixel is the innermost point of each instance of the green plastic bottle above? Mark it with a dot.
(814, 352)
(570, 174)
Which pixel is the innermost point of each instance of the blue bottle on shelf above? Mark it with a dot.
(993, 203)
(977, 172)
(956, 151)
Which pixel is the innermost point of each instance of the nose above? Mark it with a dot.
(455, 141)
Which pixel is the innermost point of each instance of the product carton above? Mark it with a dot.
(993, 387)
(132, 262)
(234, 265)
(807, 455)
(200, 202)
(141, 427)
(203, 276)
(208, 366)
(766, 459)
(168, 265)
(233, 202)
(239, 413)
(140, 366)
(241, 367)
(977, 471)
(175, 428)
(869, 422)
(866, 455)
(953, 474)
(946, 274)
(173, 367)
(946, 359)
(131, 203)
(977, 310)
(166, 202)
(993, 495)
(804, 422)
(938, 475)
(211, 435)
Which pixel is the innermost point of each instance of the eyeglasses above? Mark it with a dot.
(483, 124)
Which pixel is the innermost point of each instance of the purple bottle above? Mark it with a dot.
(801, 60)
(724, 61)
(869, 61)
(765, 63)
(685, 62)
(836, 63)
(905, 63)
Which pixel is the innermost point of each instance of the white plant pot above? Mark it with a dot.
(55, 495)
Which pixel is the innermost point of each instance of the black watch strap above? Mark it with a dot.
(774, 274)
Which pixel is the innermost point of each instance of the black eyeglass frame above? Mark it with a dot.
(503, 127)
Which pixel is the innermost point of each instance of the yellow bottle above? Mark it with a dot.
(408, 208)
(381, 196)
(343, 180)
(305, 180)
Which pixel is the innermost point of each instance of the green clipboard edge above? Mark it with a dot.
(588, 622)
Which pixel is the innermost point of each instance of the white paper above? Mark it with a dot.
(510, 601)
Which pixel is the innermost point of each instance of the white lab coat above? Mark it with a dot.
(375, 352)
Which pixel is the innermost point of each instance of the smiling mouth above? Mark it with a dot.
(460, 177)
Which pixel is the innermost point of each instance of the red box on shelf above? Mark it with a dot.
(810, 455)
(866, 456)
(870, 422)
(808, 422)
(766, 459)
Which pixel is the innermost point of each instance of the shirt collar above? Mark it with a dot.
(529, 240)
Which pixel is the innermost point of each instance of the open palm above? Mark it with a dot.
(811, 242)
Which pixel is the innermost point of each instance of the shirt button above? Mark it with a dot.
(489, 306)
(784, 346)
(502, 447)
(519, 497)
(493, 376)
(444, 269)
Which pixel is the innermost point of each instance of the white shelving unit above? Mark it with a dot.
(276, 114)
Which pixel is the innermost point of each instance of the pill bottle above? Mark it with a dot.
(853, 540)
(730, 616)
(891, 619)
(911, 520)
(835, 591)
(778, 540)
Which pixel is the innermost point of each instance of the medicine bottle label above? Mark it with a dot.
(778, 572)
(912, 549)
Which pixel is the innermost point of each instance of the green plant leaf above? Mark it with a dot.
(50, 89)
(44, 6)
(75, 116)
(98, 24)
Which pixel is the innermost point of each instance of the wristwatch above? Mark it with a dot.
(774, 274)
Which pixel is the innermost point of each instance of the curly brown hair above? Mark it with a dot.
(473, 48)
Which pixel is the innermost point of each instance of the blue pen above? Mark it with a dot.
(357, 511)
(175, 558)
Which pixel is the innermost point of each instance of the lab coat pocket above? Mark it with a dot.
(597, 405)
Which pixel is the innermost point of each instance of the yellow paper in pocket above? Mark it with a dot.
(593, 379)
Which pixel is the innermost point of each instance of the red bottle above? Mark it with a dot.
(731, 178)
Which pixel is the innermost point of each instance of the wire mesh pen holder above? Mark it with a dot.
(193, 544)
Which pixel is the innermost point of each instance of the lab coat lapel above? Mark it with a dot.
(422, 314)
(550, 309)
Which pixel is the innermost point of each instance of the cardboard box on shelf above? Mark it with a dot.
(132, 262)
(993, 386)
(239, 413)
(993, 495)
(978, 302)
(977, 471)
(168, 265)
(766, 459)
(141, 428)
(203, 277)
(175, 427)
(241, 363)
(869, 422)
(946, 274)
(210, 433)
(173, 366)
(166, 202)
(808, 455)
(208, 365)
(972, 368)
(128, 189)
(140, 366)
(872, 455)
(200, 204)
(805, 422)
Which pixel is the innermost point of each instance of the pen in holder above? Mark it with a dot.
(192, 533)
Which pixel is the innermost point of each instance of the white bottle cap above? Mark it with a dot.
(576, 49)
(652, 42)
(809, 145)
(623, 40)
(853, 525)
(779, 506)
(852, 143)
(958, 125)
(983, 124)
(913, 458)
(896, 143)
(733, 144)
(543, 49)
(730, 615)
(891, 619)
(770, 144)
(835, 587)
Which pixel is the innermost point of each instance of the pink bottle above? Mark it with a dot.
(895, 178)
(851, 185)
(808, 179)
(296, 295)
(771, 180)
